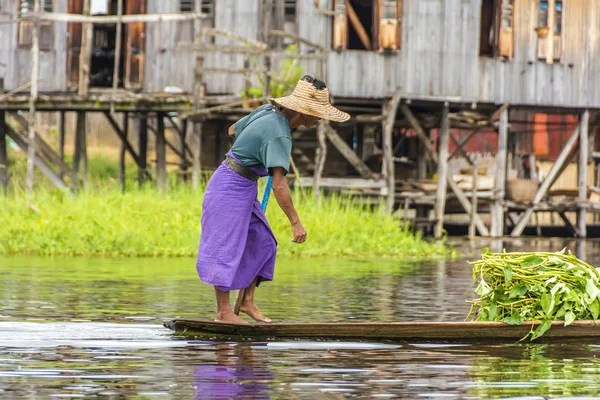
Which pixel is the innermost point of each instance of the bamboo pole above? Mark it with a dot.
(113, 19)
(117, 64)
(582, 173)
(35, 72)
(442, 172)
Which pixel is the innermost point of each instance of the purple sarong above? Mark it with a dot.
(236, 242)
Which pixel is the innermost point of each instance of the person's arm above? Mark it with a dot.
(284, 199)
(232, 131)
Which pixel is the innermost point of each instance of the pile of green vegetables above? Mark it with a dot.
(546, 287)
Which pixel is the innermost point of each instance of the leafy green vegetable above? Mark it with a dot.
(546, 287)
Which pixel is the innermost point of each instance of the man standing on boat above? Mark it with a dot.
(237, 247)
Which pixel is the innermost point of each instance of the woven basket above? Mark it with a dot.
(521, 190)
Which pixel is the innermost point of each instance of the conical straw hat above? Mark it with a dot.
(311, 97)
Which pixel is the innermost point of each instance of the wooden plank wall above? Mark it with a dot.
(168, 65)
(440, 57)
(53, 63)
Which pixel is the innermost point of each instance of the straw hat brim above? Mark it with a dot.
(319, 110)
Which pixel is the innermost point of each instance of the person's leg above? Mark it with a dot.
(249, 306)
(224, 311)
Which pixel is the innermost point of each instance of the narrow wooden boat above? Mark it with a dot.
(401, 331)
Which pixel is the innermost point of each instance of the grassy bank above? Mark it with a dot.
(144, 222)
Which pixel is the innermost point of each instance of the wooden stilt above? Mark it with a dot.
(197, 161)
(472, 230)
(582, 173)
(183, 147)
(122, 149)
(442, 172)
(61, 138)
(35, 72)
(84, 154)
(79, 133)
(85, 54)
(3, 154)
(497, 230)
(522, 223)
(143, 148)
(320, 157)
(219, 153)
(161, 153)
(198, 125)
(388, 169)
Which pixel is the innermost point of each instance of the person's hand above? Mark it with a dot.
(299, 232)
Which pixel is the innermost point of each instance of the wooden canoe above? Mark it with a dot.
(401, 331)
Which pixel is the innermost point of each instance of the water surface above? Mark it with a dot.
(83, 328)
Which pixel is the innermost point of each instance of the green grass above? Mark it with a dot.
(101, 221)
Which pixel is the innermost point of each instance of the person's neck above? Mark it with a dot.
(293, 117)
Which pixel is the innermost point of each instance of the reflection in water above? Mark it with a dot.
(91, 328)
(235, 374)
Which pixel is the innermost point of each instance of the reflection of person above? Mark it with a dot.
(527, 172)
(236, 375)
(237, 247)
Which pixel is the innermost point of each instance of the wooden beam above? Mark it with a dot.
(339, 143)
(360, 30)
(198, 126)
(414, 122)
(35, 73)
(582, 172)
(122, 134)
(572, 229)
(497, 228)
(466, 204)
(388, 168)
(161, 153)
(117, 63)
(522, 223)
(23, 144)
(297, 39)
(114, 19)
(142, 148)
(85, 54)
(183, 147)
(44, 148)
(496, 115)
(61, 138)
(320, 157)
(79, 131)
(460, 146)
(3, 154)
(122, 148)
(442, 173)
(472, 230)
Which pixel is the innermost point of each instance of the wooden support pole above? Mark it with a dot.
(3, 154)
(562, 158)
(460, 146)
(460, 149)
(23, 144)
(35, 73)
(161, 153)
(183, 147)
(320, 157)
(466, 204)
(117, 64)
(142, 148)
(421, 160)
(79, 133)
(582, 172)
(122, 149)
(85, 54)
(340, 144)
(414, 122)
(267, 78)
(388, 167)
(442, 173)
(182, 130)
(472, 231)
(497, 229)
(61, 138)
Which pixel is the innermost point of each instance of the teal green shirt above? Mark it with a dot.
(263, 139)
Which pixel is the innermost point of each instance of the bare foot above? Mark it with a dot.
(230, 318)
(250, 309)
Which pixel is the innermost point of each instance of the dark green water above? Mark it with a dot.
(91, 328)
